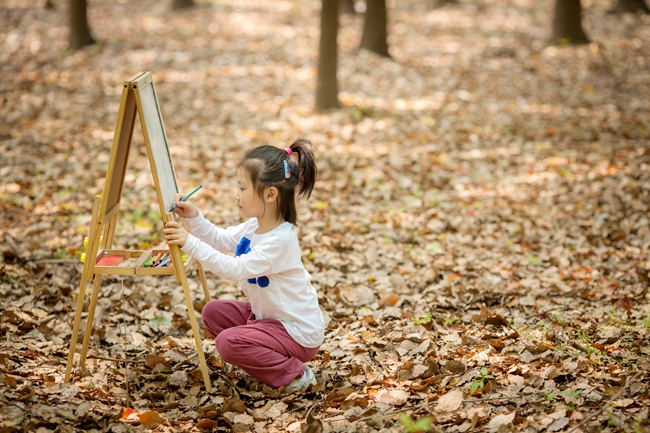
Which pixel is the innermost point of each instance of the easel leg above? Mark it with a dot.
(195, 331)
(89, 267)
(109, 232)
(204, 282)
(89, 322)
(75, 327)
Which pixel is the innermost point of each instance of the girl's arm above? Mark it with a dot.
(224, 240)
(251, 265)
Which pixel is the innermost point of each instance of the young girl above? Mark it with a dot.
(281, 325)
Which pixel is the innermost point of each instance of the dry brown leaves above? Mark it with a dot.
(478, 237)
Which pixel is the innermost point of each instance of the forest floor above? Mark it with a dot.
(478, 235)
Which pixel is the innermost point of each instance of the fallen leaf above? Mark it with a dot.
(450, 401)
(624, 402)
(455, 367)
(394, 397)
(358, 296)
(388, 299)
(155, 322)
(151, 419)
(130, 415)
(206, 424)
(337, 395)
(233, 405)
(559, 424)
(312, 425)
(152, 359)
(499, 420)
(624, 304)
(496, 320)
(243, 418)
(497, 344)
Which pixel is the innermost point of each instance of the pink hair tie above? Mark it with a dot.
(288, 150)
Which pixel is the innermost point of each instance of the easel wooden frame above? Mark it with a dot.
(106, 208)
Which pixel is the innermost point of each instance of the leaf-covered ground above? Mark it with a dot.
(478, 235)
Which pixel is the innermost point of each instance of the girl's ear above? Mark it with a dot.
(271, 194)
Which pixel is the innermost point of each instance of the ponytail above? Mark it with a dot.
(307, 170)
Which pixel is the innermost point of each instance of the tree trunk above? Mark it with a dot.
(374, 36)
(183, 4)
(347, 7)
(327, 88)
(567, 23)
(440, 3)
(633, 6)
(79, 31)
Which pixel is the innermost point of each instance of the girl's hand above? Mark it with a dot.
(175, 234)
(184, 209)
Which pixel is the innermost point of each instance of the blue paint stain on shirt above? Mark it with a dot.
(244, 247)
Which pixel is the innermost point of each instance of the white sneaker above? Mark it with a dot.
(303, 382)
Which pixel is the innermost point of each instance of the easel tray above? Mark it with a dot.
(132, 262)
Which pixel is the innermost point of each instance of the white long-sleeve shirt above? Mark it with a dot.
(269, 269)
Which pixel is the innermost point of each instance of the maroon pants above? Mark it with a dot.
(262, 348)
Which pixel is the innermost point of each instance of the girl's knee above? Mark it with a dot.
(226, 346)
(211, 307)
(212, 315)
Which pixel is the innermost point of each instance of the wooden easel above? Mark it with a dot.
(138, 96)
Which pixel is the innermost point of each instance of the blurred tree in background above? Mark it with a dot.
(440, 3)
(566, 29)
(375, 36)
(633, 6)
(567, 23)
(182, 4)
(326, 82)
(347, 7)
(79, 35)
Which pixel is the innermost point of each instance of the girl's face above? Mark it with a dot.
(248, 201)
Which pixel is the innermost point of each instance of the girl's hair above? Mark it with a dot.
(271, 166)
